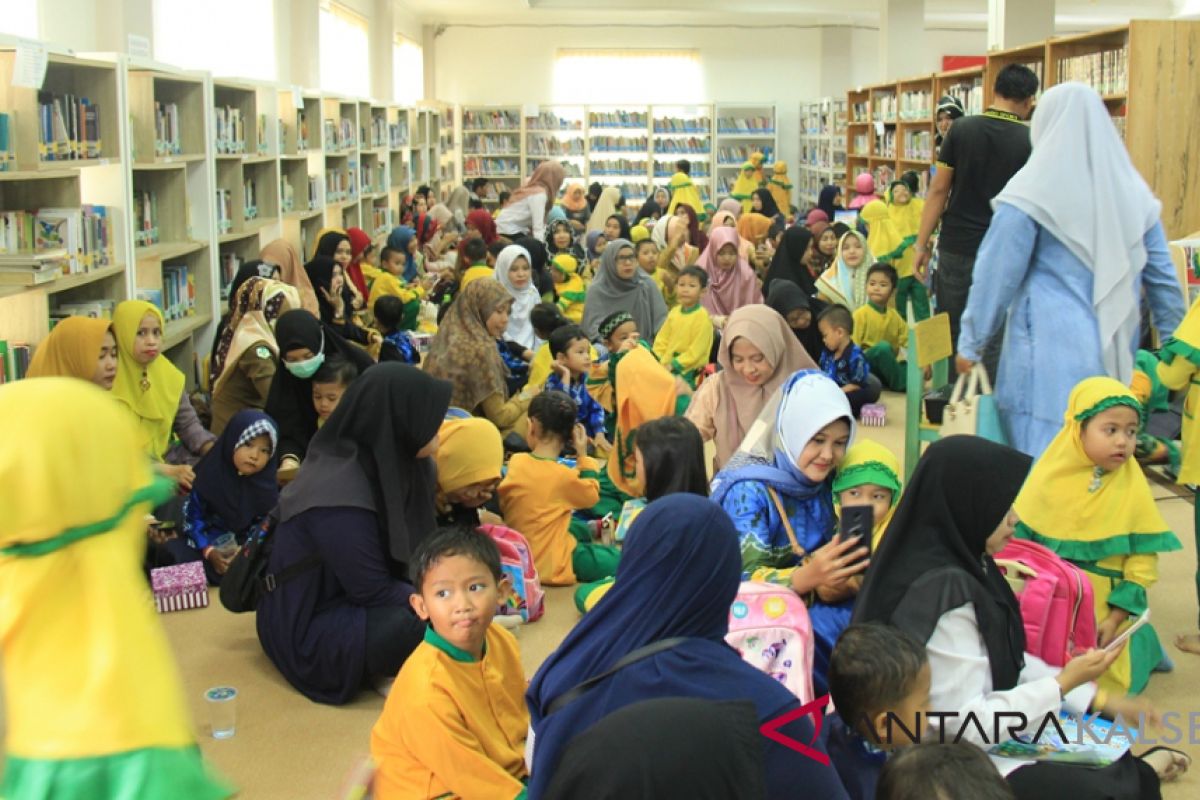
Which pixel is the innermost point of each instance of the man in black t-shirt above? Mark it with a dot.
(978, 156)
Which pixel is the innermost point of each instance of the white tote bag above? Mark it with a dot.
(972, 392)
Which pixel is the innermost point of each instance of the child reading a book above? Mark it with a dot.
(571, 350)
(539, 494)
(869, 476)
(842, 360)
(234, 491)
(329, 383)
(568, 285)
(397, 343)
(874, 670)
(685, 340)
(455, 720)
(1088, 500)
(880, 331)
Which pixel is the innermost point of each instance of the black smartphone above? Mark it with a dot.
(858, 521)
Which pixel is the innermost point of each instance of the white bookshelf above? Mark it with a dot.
(822, 148)
(742, 129)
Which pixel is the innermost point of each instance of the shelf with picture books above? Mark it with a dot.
(822, 160)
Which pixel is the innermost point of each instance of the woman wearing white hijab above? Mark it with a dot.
(515, 259)
(1074, 242)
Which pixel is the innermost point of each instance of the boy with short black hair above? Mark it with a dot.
(647, 254)
(539, 494)
(475, 256)
(685, 340)
(455, 720)
(545, 318)
(397, 344)
(874, 670)
(937, 771)
(879, 330)
(329, 383)
(388, 281)
(571, 350)
(842, 360)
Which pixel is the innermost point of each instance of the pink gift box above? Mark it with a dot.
(179, 587)
(873, 415)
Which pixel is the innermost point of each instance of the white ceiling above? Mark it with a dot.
(1073, 14)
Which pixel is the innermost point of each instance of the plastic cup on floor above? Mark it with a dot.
(222, 711)
(226, 544)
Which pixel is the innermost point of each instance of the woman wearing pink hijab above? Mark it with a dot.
(732, 282)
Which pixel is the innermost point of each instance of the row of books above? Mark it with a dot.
(488, 167)
(249, 199)
(177, 297)
(821, 155)
(617, 119)
(492, 145)
(340, 186)
(857, 145)
(536, 144)
(1107, 71)
(860, 111)
(373, 177)
(230, 129)
(693, 144)
(145, 218)
(665, 169)
(230, 263)
(338, 136)
(682, 125)
(315, 198)
(617, 166)
(491, 119)
(885, 146)
(301, 130)
(969, 94)
(911, 105)
(40, 246)
(167, 141)
(735, 156)
(619, 144)
(746, 125)
(547, 121)
(14, 360)
(381, 220)
(224, 211)
(570, 168)
(69, 127)
(918, 145)
(824, 120)
(385, 134)
(92, 309)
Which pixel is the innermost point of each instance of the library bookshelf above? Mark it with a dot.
(175, 178)
(822, 149)
(632, 147)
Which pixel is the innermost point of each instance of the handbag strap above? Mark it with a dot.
(985, 384)
(960, 386)
(632, 657)
(787, 524)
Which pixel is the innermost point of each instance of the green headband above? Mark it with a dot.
(867, 472)
(1106, 404)
(155, 493)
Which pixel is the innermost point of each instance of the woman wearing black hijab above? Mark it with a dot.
(827, 201)
(647, 210)
(335, 299)
(800, 312)
(933, 576)
(789, 262)
(305, 343)
(352, 518)
(765, 204)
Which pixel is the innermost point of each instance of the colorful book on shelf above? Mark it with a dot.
(548, 121)
(490, 119)
(752, 125)
(230, 130)
(617, 119)
(145, 216)
(681, 125)
(69, 127)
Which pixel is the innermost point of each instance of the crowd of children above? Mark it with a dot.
(580, 364)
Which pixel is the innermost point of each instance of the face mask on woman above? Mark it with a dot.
(307, 368)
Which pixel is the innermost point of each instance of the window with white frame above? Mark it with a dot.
(20, 18)
(408, 71)
(345, 51)
(620, 76)
(199, 36)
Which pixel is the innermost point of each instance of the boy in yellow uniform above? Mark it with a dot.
(569, 286)
(387, 282)
(880, 331)
(685, 340)
(455, 719)
(539, 493)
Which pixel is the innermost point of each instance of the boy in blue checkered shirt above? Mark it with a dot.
(571, 351)
(842, 360)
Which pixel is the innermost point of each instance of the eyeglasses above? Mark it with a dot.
(627, 258)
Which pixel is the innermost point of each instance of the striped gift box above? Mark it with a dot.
(873, 415)
(179, 587)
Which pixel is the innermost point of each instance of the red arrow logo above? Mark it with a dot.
(815, 709)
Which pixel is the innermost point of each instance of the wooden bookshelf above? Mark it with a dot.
(1030, 55)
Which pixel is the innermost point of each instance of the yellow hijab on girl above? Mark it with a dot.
(151, 392)
(868, 462)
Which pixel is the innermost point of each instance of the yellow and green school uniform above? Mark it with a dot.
(1179, 367)
(882, 334)
(868, 462)
(684, 191)
(381, 283)
(906, 221)
(684, 342)
(571, 291)
(95, 706)
(454, 725)
(1106, 523)
(744, 186)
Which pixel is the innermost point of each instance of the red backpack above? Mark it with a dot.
(525, 597)
(1056, 599)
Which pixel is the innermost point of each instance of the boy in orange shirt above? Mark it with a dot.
(455, 720)
(538, 495)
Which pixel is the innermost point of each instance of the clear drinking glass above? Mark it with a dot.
(222, 711)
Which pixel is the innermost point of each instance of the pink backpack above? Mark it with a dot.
(516, 559)
(1057, 604)
(770, 629)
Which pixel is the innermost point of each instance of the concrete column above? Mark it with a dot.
(121, 18)
(382, 36)
(298, 41)
(835, 60)
(902, 39)
(1013, 23)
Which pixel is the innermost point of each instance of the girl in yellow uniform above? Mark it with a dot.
(95, 705)
(1088, 501)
